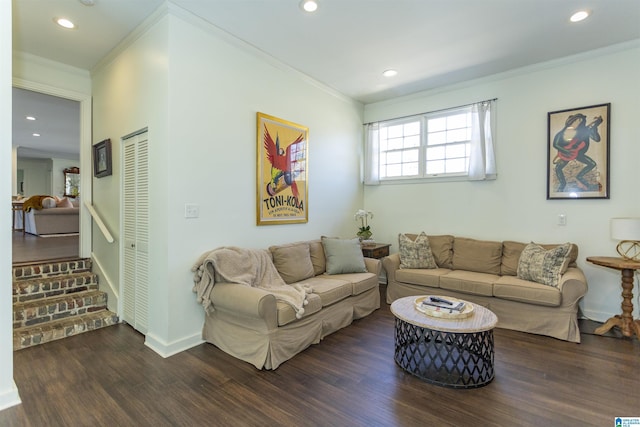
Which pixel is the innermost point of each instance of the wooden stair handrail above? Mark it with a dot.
(96, 217)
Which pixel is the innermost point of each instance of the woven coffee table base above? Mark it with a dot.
(457, 360)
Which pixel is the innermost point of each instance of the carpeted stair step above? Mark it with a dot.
(50, 286)
(38, 311)
(39, 334)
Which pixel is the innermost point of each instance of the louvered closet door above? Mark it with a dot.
(135, 231)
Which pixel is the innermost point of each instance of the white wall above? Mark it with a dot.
(202, 133)
(8, 392)
(514, 207)
(37, 176)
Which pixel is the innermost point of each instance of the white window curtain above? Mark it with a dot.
(482, 160)
(371, 154)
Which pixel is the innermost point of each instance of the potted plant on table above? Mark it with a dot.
(364, 231)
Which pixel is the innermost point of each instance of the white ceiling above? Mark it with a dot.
(347, 44)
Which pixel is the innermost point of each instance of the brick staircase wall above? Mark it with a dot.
(55, 300)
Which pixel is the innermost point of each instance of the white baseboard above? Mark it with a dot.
(598, 316)
(9, 397)
(165, 349)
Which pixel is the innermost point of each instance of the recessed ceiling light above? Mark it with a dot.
(36, 134)
(309, 5)
(390, 73)
(579, 16)
(30, 118)
(64, 22)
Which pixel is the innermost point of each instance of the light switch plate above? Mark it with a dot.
(191, 210)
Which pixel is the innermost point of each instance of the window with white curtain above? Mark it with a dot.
(457, 142)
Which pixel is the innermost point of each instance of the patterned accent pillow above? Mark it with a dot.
(544, 266)
(416, 253)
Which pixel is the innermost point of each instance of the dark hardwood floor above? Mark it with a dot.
(30, 248)
(110, 378)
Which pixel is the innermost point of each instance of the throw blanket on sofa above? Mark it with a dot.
(249, 267)
(33, 202)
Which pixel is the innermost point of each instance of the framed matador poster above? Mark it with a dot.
(578, 153)
(282, 185)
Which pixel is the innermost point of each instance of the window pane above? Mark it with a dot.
(437, 138)
(435, 153)
(412, 141)
(435, 167)
(410, 156)
(395, 131)
(457, 121)
(456, 135)
(438, 124)
(395, 144)
(394, 170)
(456, 150)
(394, 157)
(412, 128)
(410, 169)
(456, 166)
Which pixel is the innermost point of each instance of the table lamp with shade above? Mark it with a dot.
(627, 231)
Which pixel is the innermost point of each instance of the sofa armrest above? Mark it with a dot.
(573, 286)
(246, 301)
(373, 265)
(391, 263)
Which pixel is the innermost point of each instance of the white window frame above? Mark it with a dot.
(423, 121)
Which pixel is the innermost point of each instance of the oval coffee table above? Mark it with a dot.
(454, 353)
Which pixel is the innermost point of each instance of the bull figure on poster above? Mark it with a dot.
(286, 165)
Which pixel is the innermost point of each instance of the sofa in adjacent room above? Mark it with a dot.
(50, 216)
(531, 288)
(264, 306)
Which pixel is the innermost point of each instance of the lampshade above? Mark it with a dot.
(627, 230)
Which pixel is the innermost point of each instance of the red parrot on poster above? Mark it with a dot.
(283, 164)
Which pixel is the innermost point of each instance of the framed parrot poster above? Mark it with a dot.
(282, 184)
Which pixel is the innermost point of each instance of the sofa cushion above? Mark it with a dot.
(424, 277)
(330, 289)
(292, 261)
(544, 266)
(317, 257)
(360, 282)
(514, 289)
(415, 253)
(64, 203)
(343, 255)
(511, 256)
(469, 282)
(286, 313)
(48, 203)
(481, 256)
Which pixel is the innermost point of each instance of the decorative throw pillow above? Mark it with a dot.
(292, 261)
(544, 266)
(64, 203)
(48, 203)
(416, 253)
(343, 256)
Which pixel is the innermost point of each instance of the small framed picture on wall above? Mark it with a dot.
(102, 158)
(578, 153)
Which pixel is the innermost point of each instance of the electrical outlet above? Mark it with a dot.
(191, 211)
(562, 219)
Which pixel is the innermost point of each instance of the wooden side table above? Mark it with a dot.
(377, 251)
(624, 321)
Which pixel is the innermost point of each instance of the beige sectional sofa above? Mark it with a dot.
(252, 322)
(487, 273)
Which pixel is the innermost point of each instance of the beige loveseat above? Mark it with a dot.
(486, 273)
(52, 221)
(251, 322)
